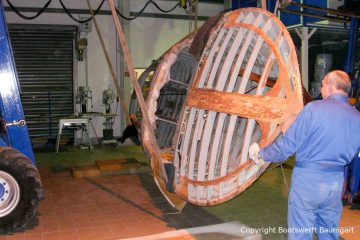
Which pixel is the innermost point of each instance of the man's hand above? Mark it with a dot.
(254, 154)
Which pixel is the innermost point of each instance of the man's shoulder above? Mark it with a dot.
(333, 107)
(314, 104)
(323, 103)
(320, 107)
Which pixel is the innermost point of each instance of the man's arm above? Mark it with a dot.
(291, 140)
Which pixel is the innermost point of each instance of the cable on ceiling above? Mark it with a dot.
(77, 20)
(67, 11)
(26, 17)
(143, 9)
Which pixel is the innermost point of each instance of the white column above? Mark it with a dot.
(304, 35)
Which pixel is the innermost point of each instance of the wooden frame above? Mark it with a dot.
(246, 88)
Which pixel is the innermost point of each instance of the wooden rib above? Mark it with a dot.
(268, 41)
(209, 60)
(212, 115)
(255, 77)
(186, 142)
(294, 105)
(161, 77)
(219, 57)
(241, 14)
(273, 135)
(196, 135)
(245, 146)
(215, 149)
(179, 133)
(282, 77)
(204, 147)
(244, 81)
(200, 120)
(297, 104)
(254, 55)
(209, 82)
(203, 160)
(251, 122)
(227, 145)
(242, 54)
(265, 73)
(262, 108)
(199, 128)
(219, 180)
(134, 106)
(286, 80)
(186, 137)
(221, 116)
(179, 100)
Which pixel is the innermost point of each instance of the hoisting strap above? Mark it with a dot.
(138, 92)
(114, 78)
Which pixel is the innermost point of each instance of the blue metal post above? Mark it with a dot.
(10, 102)
(355, 178)
(270, 5)
(354, 25)
(235, 4)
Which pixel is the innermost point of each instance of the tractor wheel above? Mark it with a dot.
(20, 190)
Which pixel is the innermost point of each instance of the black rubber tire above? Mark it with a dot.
(25, 173)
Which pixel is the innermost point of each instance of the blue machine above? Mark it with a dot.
(20, 184)
(10, 103)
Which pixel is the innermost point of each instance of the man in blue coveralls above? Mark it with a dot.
(325, 137)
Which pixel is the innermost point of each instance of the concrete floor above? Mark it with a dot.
(128, 206)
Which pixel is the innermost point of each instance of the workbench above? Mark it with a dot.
(77, 124)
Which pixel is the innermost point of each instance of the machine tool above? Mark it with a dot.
(108, 132)
(83, 97)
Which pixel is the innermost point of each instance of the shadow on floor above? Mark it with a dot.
(121, 197)
(191, 216)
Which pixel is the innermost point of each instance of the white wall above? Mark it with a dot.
(147, 39)
(151, 37)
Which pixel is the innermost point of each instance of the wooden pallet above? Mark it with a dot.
(110, 167)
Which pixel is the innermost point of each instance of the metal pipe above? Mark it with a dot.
(354, 25)
(328, 10)
(326, 17)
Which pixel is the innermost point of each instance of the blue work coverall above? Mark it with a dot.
(325, 137)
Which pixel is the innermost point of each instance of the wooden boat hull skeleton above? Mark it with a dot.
(214, 93)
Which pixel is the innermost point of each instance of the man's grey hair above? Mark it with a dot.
(340, 79)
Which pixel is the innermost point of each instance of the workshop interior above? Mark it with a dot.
(128, 119)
